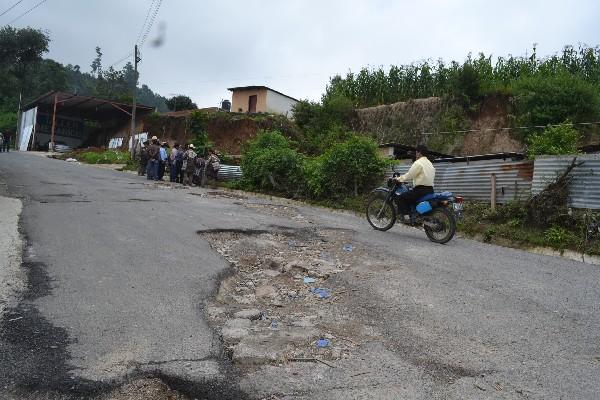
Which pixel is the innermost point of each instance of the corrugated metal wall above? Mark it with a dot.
(585, 186)
(473, 180)
(514, 179)
(229, 172)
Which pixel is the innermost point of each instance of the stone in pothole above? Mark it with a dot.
(250, 314)
(271, 273)
(252, 353)
(296, 266)
(233, 335)
(265, 291)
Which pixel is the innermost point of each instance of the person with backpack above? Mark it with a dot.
(153, 159)
(213, 164)
(200, 165)
(189, 165)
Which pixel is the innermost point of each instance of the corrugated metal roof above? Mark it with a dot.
(585, 185)
(473, 180)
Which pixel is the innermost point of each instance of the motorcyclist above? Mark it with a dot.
(422, 174)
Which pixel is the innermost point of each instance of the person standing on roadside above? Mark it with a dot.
(1, 142)
(189, 165)
(173, 163)
(213, 164)
(143, 158)
(153, 159)
(162, 161)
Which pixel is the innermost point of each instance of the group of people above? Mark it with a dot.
(4, 142)
(183, 164)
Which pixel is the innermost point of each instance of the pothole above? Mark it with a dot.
(283, 302)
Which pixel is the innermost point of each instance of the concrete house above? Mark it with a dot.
(256, 99)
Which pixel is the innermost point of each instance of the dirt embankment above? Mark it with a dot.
(228, 131)
(429, 120)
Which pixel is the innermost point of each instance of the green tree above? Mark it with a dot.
(180, 102)
(21, 48)
(97, 63)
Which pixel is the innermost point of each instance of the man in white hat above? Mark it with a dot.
(189, 165)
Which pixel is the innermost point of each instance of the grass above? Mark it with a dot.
(99, 156)
(507, 227)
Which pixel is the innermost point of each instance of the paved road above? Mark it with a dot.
(118, 278)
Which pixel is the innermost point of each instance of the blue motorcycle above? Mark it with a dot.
(435, 212)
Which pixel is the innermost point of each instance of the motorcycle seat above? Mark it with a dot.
(436, 196)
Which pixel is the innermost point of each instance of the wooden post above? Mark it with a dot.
(493, 194)
(51, 147)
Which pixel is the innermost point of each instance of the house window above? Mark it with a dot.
(252, 100)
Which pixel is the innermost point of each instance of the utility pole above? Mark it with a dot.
(136, 59)
(18, 132)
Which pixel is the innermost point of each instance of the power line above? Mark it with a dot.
(151, 23)
(148, 23)
(121, 60)
(11, 7)
(513, 128)
(28, 11)
(145, 21)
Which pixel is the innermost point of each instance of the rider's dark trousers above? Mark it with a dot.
(408, 199)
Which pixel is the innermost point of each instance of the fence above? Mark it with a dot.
(514, 179)
(472, 180)
(585, 185)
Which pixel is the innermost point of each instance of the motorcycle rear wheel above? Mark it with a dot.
(445, 225)
(381, 214)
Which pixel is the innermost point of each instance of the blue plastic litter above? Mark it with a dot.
(308, 279)
(321, 343)
(321, 292)
(292, 243)
(348, 247)
(274, 324)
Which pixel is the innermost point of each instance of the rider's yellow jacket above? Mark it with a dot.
(421, 172)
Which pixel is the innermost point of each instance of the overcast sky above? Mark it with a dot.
(294, 46)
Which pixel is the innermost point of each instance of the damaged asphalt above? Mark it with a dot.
(130, 280)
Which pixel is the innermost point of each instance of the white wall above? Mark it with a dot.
(279, 104)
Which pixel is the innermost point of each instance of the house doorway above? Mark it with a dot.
(252, 100)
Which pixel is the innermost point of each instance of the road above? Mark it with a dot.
(118, 279)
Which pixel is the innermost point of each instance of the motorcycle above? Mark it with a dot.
(436, 212)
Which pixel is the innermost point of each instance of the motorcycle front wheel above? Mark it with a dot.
(381, 214)
(440, 225)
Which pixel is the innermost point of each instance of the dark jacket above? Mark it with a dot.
(153, 152)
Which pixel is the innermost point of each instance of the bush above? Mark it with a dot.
(554, 140)
(543, 100)
(559, 238)
(269, 163)
(347, 168)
